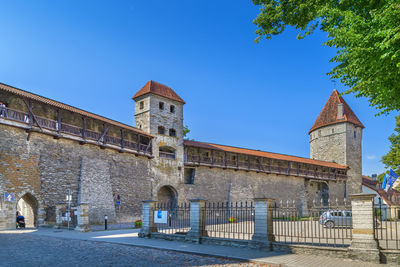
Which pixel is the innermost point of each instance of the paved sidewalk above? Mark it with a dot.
(130, 237)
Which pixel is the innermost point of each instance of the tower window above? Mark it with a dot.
(161, 105)
(172, 109)
(167, 152)
(161, 130)
(319, 133)
(355, 135)
(172, 132)
(333, 130)
(141, 104)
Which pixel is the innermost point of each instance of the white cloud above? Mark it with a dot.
(370, 157)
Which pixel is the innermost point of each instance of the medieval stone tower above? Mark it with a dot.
(336, 136)
(159, 111)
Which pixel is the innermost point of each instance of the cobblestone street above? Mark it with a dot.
(31, 250)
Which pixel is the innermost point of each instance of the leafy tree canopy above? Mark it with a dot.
(366, 34)
(392, 158)
(186, 131)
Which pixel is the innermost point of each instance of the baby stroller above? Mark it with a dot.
(20, 222)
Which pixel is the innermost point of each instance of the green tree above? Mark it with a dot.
(392, 158)
(186, 131)
(365, 33)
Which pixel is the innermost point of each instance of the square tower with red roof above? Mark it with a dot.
(159, 111)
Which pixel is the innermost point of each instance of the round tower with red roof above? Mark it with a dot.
(336, 136)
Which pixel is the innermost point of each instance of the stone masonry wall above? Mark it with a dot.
(340, 143)
(48, 167)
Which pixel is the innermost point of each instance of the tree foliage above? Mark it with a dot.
(186, 131)
(392, 158)
(366, 34)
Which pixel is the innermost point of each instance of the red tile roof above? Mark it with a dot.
(329, 116)
(63, 106)
(259, 153)
(392, 196)
(158, 89)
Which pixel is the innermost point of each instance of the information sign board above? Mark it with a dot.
(160, 216)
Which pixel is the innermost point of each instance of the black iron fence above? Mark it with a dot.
(320, 225)
(234, 220)
(177, 217)
(387, 226)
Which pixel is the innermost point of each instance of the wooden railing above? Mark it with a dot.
(262, 167)
(167, 155)
(52, 125)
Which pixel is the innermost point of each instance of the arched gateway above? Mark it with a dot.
(167, 194)
(28, 206)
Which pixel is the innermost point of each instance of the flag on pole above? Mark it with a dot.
(393, 176)
(390, 179)
(384, 183)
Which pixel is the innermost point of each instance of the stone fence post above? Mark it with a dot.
(363, 246)
(148, 225)
(82, 218)
(263, 226)
(197, 220)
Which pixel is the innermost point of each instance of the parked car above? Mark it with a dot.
(332, 218)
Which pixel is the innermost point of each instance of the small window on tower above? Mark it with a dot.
(161, 130)
(141, 104)
(172, 109)
(161, 105)
(319, 133)
(333, 130)
(172, 132)
(355, 135)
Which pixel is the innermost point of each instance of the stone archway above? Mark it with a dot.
(167, 197)
(28, 206)
(167, 194)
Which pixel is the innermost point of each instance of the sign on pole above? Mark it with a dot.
(9, 197)
(118, 202)
(160, 216)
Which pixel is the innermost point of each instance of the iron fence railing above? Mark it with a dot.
(319, 225)
(387, 226)
(178, 217)
(234, 220)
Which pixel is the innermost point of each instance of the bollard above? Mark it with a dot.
(105, 222)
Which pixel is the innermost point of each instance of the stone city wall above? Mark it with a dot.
(46, 168)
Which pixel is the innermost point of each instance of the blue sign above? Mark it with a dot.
(159, 214)
(10, 197)
(118, 203)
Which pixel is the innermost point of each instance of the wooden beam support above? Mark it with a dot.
(225, 159)
(58, 122)
(31, 114)
(122, 140)
(103, 134)
(198, 153)
(186, 154)
(212, 156)
(248, 162)
(83, 128)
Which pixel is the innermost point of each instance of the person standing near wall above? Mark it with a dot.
(3, 110)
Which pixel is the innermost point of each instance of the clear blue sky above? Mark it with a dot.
(96, 54)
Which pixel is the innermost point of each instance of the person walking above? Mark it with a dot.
(3, 110)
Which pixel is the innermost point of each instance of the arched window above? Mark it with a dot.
(161, 130)
(172, 132)
(167, 152)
